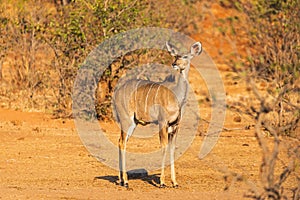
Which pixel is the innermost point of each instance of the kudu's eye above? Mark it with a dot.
(185, 57)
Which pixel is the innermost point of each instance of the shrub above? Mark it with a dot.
(274, 40)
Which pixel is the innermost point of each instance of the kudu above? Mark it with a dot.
(143, 102)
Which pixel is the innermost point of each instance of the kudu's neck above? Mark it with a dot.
(181, 85)
(185, 73)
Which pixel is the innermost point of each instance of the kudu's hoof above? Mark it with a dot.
(162, 186)
(124, 184)
(175, 186)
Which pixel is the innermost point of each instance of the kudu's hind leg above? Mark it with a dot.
(163, 135)
(122, 154)
(123, 175)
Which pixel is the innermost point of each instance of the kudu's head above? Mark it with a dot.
(182, 62)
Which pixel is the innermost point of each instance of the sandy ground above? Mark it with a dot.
(43, 158)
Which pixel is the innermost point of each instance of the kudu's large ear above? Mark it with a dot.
(196, 49)
(171, 49)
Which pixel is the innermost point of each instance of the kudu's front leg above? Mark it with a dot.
(172, 145)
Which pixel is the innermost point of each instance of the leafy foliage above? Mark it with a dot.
(43, 44)
(36, 33)
(276, 34)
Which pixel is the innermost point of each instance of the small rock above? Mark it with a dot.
(237, 119)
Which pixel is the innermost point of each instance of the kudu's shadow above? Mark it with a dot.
(140, 174)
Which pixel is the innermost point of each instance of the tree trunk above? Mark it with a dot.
(65, 2)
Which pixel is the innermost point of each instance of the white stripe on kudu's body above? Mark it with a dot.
(143, 102)
(146, 101)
